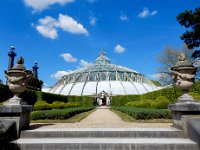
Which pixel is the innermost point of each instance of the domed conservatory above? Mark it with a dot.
(103, 78)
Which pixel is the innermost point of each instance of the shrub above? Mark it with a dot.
(29, 96)
(145, 113)
(57, 105)
(139, 104)
(72, 104)
(58, 113)
(196, 96)
(42, 105)
(161, 102)
(5, 93)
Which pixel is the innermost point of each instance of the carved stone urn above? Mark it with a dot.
(17, 79)
(184, 74)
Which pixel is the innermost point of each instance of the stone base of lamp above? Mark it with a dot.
(18, 113)
(182, 110)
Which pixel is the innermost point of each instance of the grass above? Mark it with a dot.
(74, 119)
(128, 118)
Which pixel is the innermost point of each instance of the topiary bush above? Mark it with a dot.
(42, 105)
(161, 103)
(57, 105)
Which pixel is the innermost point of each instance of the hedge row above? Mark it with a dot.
(83, 100)
(43, 105)
(170, 93)
(145, 113)
(160, 103)
(58, 113)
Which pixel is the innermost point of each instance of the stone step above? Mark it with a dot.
(106, 143)
(102, 132)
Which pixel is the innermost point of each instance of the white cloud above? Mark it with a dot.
(68, 57)
(119, 49)
(84, 63)
(48, 26)
(68, 24)
(60, 74)
(123, 17)
(39, 5)
(146, 13)
(154, 12)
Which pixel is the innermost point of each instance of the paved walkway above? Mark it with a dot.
(102, 118)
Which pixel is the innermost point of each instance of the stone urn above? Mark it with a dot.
(185, 107)
(184, 74)
(17, 79)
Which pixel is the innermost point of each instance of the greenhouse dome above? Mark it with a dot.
(102, 76)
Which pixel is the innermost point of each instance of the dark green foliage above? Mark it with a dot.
(29, 96)
(5, 93)
(58, 113)
(145, 113)
(50, 98)
(35, 84)
(191, 20)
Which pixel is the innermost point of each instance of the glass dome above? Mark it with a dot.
(103, 76)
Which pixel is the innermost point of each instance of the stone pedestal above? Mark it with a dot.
(18, 113)
(182, 110)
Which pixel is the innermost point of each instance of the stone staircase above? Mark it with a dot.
(104, 139)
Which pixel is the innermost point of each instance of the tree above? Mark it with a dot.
(1, 81)
(168, 58)
(191, 20)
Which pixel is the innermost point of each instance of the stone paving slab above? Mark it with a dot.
(106, 140)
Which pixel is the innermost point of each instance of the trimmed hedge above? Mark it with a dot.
(170, 93)
(50, 98)
(5, 93)
(58, 113)
(145, 113)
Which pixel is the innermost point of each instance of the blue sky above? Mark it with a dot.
(63, 35)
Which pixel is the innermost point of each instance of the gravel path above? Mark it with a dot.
(102, 118)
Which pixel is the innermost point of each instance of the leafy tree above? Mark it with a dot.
(191, 20)
(168, 58)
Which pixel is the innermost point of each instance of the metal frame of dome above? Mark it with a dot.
(103, 76)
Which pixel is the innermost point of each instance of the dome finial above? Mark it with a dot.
(102, 53)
